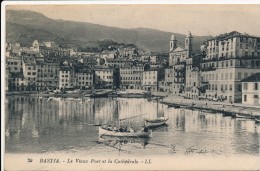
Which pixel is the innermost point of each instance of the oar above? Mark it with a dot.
(132, 117)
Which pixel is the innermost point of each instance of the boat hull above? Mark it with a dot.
(104, 132)
(150, 124)
(245, 116)
(155, 122)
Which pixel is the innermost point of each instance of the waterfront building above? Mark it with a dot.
(47, 75)
(229, 58)
(166, 84)
(193, 77)
(29, 72)
(103, 77)
(131, 77)
(84, 78)
(251, 90)
(16, 82)
(150, 80)
(66, 76)
(177, 60)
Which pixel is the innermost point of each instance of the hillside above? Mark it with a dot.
(25, 26)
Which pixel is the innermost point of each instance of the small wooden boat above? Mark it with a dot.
(244, 116)
(140, 134)
(156, 122)
(257, 120)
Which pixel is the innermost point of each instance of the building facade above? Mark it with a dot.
(251, 90)
(84, 79)
(228, 58)
(150, 80)
(131, 77)
(47, 75)
(103, 77)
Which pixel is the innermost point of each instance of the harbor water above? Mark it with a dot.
(67, 125)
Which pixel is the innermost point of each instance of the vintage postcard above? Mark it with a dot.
(105, 86)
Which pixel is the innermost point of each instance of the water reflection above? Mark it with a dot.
(49, 125)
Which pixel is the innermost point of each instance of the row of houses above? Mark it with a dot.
(33, 74)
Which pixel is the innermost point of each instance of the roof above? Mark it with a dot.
(230, 35)
(252, 78)
(179, 49)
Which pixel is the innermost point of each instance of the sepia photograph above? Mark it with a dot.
(110, 86)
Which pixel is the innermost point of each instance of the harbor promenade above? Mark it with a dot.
(213, 105)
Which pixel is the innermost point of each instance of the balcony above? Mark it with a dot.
(208, 69)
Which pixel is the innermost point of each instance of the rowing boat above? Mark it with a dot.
(156, 122)
(140, 134)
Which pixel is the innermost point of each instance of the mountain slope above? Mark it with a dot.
(25, 26)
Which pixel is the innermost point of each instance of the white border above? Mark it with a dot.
(3, 35)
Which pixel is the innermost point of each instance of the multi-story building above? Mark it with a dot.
(150, 80)
(103, 77)
(166, 84)
(29, 71)
(17, 82)
(66, 77)
(228, 59)
(84, 79)
(251, 90)
(14, 64)
(47, 75)
(177, 60)
(193, 76)
(131, 77)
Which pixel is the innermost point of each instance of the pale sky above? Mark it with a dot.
(199, 19)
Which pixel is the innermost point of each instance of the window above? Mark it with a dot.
(230, 87)
(239, 75)
(239, 88)
(245, 86)
(231, 76)
(241, 46)
(256, 86)
(255, 96)
(245, 98)
(246, 54)
(226, 76)
(246, 46)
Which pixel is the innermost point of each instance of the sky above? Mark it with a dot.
(198, 19)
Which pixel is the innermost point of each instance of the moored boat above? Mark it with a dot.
(156, 122)
(107, 132)
(244, 116)
(257, 120)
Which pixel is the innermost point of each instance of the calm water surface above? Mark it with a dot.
(38, 125)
